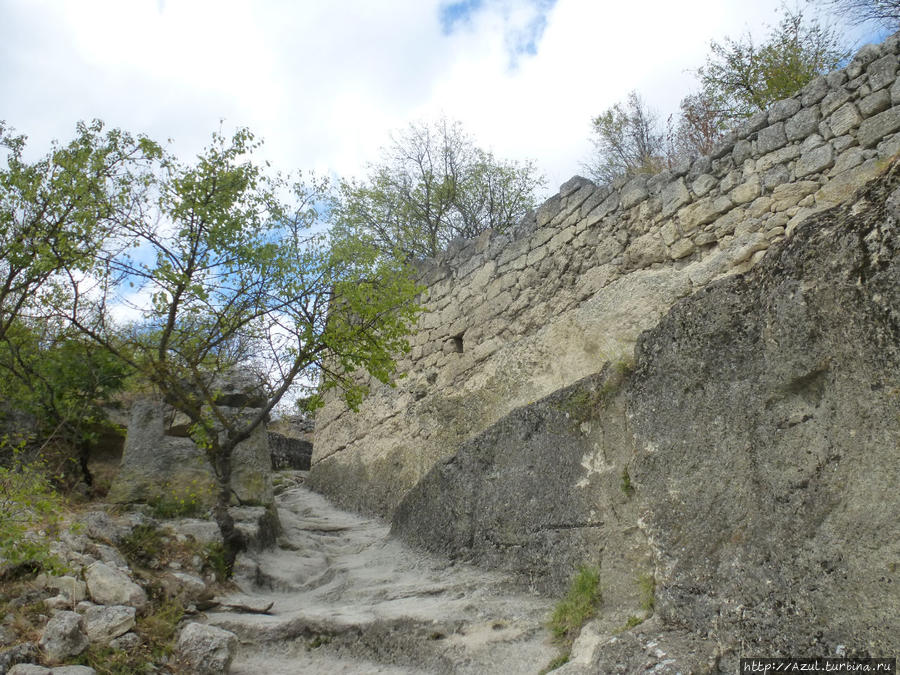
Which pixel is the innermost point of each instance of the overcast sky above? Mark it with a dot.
(324, 82)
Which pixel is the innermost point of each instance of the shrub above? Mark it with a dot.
(29, 509)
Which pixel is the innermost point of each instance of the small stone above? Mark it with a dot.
(104, 623)
(206, 650)
(109, 586)
(64, 636)
(73, 670)
(126, 642)
(28, 669)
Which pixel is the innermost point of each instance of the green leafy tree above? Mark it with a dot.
(741, 77)
(234, 275)
(56, 213)
(628, 140)
(63, 382)
(431, 186)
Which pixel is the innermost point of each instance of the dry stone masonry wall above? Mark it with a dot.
(513, 317)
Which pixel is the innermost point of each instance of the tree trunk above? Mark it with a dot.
(232, 538)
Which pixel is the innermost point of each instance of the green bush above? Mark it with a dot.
(29, 515)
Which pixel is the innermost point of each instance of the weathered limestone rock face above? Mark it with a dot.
(160, 461)
(540, 493)
(514, 317)
(760, 433)
(765, 414)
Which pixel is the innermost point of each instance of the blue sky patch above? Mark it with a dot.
(454, 13)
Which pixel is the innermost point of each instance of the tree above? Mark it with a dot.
(883, 12)
(233, 275)
(627, 141)
(698, 127)
(63, 382)
(432, 185)
(740, 77)
(57, 212)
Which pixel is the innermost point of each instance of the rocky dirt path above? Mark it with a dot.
(350, 599)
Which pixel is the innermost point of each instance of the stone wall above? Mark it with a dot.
(513, 317)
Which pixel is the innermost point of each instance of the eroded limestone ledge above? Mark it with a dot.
(513, 317)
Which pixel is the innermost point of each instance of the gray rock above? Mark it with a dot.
(703, 184)
(103, 623)
(20, 653)
(155, 466)
(844, 119)
(496, 502)
(206, 650)
(802, 124)
(288, 452)
(126, 641)
(674, 196)
(634, 192)
(771, 138)
(201, 531)
(813, 92)
(29, 669)
(781, 110)
(239, 388)
(875, 103)
(882, 72)
(872, 130)
(763, 425)
(109, 586)
(64, 636)
(72, 670)
(814, 160)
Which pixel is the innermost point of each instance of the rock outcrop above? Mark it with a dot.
(749, 463)
(160, 462)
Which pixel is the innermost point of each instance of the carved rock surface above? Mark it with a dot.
(767, 438)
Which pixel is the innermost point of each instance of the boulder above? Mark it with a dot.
(159, 466)
(109, 586)
(156, 466)
(64, 636)
(206, 650)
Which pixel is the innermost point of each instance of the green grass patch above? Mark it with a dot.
(647, 585)
(579, 605)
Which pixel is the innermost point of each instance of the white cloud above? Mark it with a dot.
(325, 82)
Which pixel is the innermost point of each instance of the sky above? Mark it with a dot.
(325, 82)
